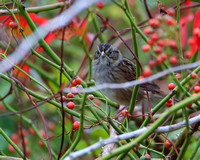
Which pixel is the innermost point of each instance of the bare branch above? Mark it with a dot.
(136, 82)
(129, 135)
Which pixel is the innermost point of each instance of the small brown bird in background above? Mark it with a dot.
(110, 66)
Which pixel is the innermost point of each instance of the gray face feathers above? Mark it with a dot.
(107, 54)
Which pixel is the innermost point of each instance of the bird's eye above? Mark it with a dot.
(97, 55)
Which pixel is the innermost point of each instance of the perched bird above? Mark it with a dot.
(110, 66)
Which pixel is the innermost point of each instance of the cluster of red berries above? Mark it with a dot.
(169, 103)
(16, 138)
(158, 41)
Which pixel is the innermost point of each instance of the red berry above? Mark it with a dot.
(76, 125)
(74, 82)
(193, 75)
(70, 95)
(151, 42)
(194, 94)
(189, 105)
(51, 126)
(42, 133)
(170, 21)
(147, 157)
(154, 37)
(171, 12)
(23, 132)
(196, 32)
(25, 141)
(125, 113)
(178, 76)
(41, 143)
(197, 89)
(14, 138)
(169, 101)
(63, 99)
(168, 104)
(91, 97)
(11, 149)
(28, 152)
(172, 44)
(147, 72)
(74, 90)
(191, 41)
(163, 56)
(146, 48)
(154, 22)
(13, 24)
(78, 81)
(158, 50)
(70, 105)
(188, 54)
(97, 102)
(148, 31)
(159, 60)
(161, 43)
(173, 60)
(171, 86)
(151, 63)
(168, 144)
(187, 2)
(100, 4)
(31, 131)
(140, 78)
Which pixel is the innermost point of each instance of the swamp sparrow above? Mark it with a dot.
(109, 66)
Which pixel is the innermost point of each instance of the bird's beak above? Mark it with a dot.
(102, 54)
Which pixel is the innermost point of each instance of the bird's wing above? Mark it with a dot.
(128, 71)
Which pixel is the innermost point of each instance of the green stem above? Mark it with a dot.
(43, 73)
(96, 26)
(76, 141)
(153, 127)
(161, 103)
(29, 123)
(54, 103)
(11, 143)
(138, 70)
(42, 42)
(195, 150)
(55, 58)
(187, 138)
(138, 30)
(39, 8)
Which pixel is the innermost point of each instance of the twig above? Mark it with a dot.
(133, 134)
(39, 8)
(137, 82)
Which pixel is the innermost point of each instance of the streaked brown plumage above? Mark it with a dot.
(109, 66)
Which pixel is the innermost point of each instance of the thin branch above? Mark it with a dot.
(137, 82)
(39, 8)
(129, 135)
(147, 9)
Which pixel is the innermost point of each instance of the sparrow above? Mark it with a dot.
(110, 66)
